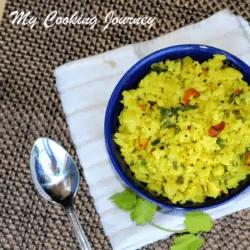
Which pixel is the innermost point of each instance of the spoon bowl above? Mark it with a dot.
(57, 178)
(54, 172)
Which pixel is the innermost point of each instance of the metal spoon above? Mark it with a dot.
(56, 178)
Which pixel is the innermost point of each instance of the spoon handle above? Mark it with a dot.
(84, 244)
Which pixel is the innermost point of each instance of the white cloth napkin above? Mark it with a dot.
(85, 87)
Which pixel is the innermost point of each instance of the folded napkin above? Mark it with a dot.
(85, 87)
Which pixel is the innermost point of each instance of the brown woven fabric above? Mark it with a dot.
(30, 108)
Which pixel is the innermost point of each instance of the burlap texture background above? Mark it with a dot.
(30, 108)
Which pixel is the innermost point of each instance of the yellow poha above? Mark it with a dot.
(185, 131)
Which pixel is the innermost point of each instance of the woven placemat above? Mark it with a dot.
(30, 108)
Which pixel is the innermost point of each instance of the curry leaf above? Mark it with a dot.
(231, 98)
(168, 124)
(175, 165)
(221, 142)
(188, 107)
(155, 142)
(177, 130)
(166, 112)
(159, 68)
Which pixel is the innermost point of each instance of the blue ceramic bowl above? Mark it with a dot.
(130, 81)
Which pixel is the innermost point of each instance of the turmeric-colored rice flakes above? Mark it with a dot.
(185, 131)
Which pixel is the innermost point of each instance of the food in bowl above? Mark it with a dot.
(185, 130)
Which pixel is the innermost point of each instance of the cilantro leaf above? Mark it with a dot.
(125, 200)
(188, 242)
(168, 124)
(143, 211)
(144, 163)
(198, 221)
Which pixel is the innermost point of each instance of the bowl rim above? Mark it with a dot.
(115, 95)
